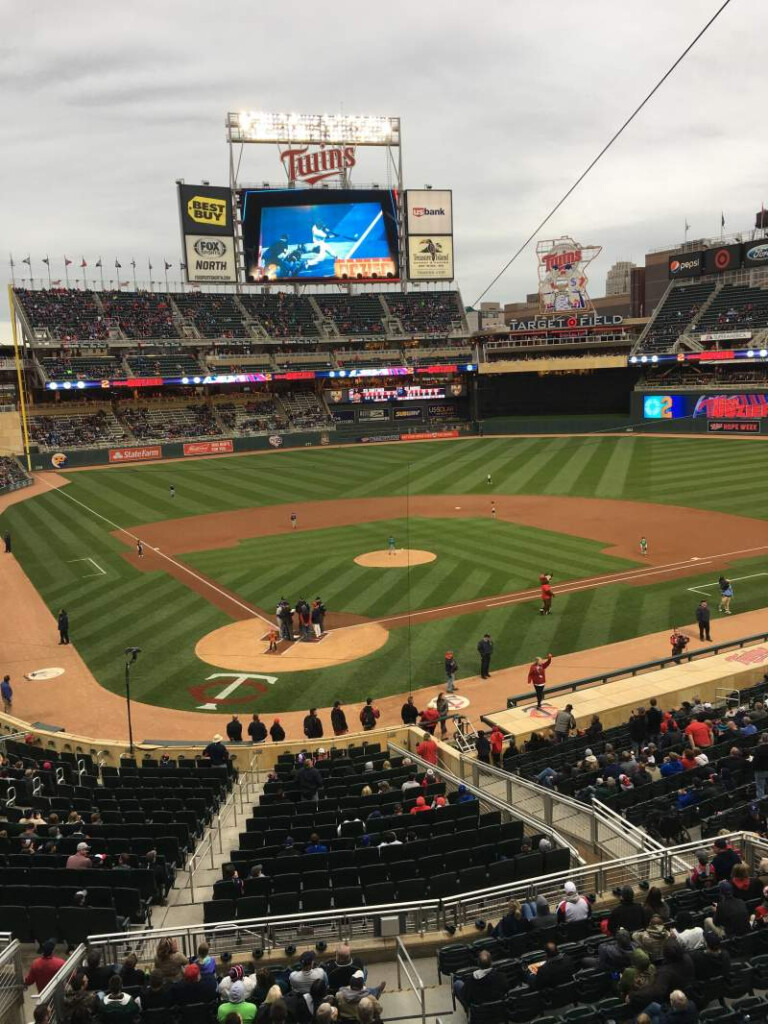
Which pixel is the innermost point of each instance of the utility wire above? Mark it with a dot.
(603, 151)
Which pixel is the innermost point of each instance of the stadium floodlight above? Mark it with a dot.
(313, 129)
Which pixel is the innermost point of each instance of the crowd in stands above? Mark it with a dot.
(75, 430)
(141, 314)
(676, 313)
(282, 314)
(252, 417)
(214, 315)
(305, 409)
(69, 315)
(82, 367)
(157, 364)
(686, 375)
(426, 312)
(735, 307)
(12, 474)
(353, 314)
(171, 423)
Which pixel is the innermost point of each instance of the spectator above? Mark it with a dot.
(117, 1005)
(309, 972)
(676, 972)
(369, 715)
(156, 995)
(216, 751)
(80, 859)
(409, 712)
(654, 905)
(309, 780)
(341, 968)
(483, 747)
(724, 860)
(276, 731)
(44, 967)
(628, 914)
(640, 973)
(556, 970)
(237, 1004)
(731, 915)
(349, 996)
(169, 962)
(98, 974)
(703, 872)
(513, 923)
(427, 749)
(745, 887)
(194, 987)
(689, 936)
(712, 961)
(313, 727)
(314, 845)
(616, 954)
(652, 938)
(574, 907)
(682, 1010)
(235, 730)
(483, 985)
(257, 730)
(699, 732)
(255, 985)
(672, 765)
(564, 723)
(131, 975)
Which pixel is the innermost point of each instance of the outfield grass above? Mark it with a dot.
(165, 619)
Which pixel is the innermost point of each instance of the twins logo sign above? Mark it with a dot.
(254, 686)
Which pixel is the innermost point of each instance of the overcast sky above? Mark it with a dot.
(504, 101)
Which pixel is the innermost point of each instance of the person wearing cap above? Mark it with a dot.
(349, 996)
(276, 732)
(80, 858)
(574, 907)
(309, 972)
(724, 859)
(753, 819)
(564, 723)
(628, 914)
(250, 983)
(44, 967)
(420, 806)
(195, 987)
(712, 961)
(731, 915)
(237, 1003)
(216, 751)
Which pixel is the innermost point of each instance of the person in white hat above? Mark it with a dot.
(216, 751)
(80, 859)
(574, 907)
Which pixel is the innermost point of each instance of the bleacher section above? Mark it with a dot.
(252, 417)
(141, 314)
(82, 367)
(177, 364)
(215, 316)
(735, 307)
(678, 310)
(305, 409)
(67, 315)
(451, 849)
(353, 314)
(283, 315)
(140, 825)
(427, 312)
(170, 423)
(76, 430)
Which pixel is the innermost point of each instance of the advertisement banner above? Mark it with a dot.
(409, 414)
(562, 272)
(205, 210)
(726, 336)
(686, 264)
(379, 438)
(373, 414)
(750, 406)
(440, 411)
(210, 259)
(208, 447)
(734, 426)
(430, 257)
(754, 254)
(429, 211)
(663, 407)
(431, 435)
(394, 393)
(722, 258)
(152, 451)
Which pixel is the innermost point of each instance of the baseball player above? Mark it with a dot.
(294, 520)
(139, 549)
(643, 546)
(493, 510)
(172, 490)
(488, 478)
(391, 545)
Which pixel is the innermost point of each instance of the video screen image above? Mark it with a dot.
(335, 238)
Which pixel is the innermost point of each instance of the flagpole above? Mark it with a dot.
(47, 262)
(149, 268)
(687, 229)
(101, 272)
(166, 275)
(133, 264)
(13, 275)
(66, 271)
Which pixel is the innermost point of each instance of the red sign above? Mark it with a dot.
(325, 162)
(153, 451)
(137, 382)
(430, 436)
(208, 447)
(734, 426)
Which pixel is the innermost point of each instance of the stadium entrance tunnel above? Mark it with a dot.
(244, 647)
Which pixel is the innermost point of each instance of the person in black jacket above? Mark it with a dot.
(724, 860)
(703, 616)
(63, 624)
(309, 780)
(627, 914)
(653, 718)
(713, 961)
(760, 765)
(556, 970)
(731, 915)
(277, 732)
(338, 719)
(485, 650)
(235, 730)
(483, 747)
(257, 730)
(675, 972)
(216, 751)
(409, 712)
(313, 727)
(484, 985)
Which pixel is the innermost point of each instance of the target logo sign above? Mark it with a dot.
(723, 259)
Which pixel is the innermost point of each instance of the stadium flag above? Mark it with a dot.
(117, 265)
(182, 266)
(27, 260)
(98, 262)
(99, 266)
(124, 284)
(56, 283)
(83, 263)
(167, 264)
(133, 264)
(67, 263)
(47, 263)
(722, 220)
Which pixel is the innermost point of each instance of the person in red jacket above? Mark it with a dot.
(497, 745)
(546, 598)
(537, 676)
(429, 719)
(427, 749)
(43, 968)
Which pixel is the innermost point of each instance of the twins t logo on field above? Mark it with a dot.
(254, 687)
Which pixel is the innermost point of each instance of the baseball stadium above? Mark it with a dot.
(374, 655)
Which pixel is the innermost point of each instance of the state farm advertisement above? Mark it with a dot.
(151, 451)
(430, 436)
(208, 447)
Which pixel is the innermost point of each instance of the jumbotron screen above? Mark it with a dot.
(314, 235)
(404, 393)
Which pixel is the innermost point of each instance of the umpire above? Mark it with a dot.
(485, 650)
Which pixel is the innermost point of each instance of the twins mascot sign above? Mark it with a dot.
(562, 274)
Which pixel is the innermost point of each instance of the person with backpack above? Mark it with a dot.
(369, 715)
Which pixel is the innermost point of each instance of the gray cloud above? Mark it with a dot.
(504, 101)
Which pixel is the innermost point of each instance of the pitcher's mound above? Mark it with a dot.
(241, 647)
(399, 559)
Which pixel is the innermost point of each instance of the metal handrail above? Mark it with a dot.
(405, 964)
(11, 981)
(482, 795)
(598, 878)
(631, 670)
